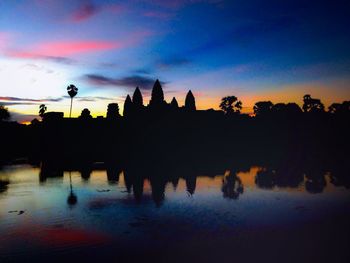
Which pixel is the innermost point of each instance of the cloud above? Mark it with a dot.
(28, 55)
(60, 51)
(66, 48)
(108, 65)
(92, 99)
(10, 101)
(144, 83)
(33, 100)
(143, 71)
(84, 12)
(88, 10)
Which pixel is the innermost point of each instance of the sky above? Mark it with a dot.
(253, 49)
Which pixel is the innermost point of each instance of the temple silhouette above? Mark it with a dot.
(161, 134)
(134, 107)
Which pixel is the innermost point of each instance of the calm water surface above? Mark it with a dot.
(224, 217)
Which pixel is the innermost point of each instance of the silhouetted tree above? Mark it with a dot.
(85, 114)
(293, 108)
(72, 92)
(34, 122)
(230, 104)
(157, 97)
(137, 99)
(4, 113)
(190, 102)
(128, 107)
(174, 105)
(42, 110)
(289, 109)
(279, 107)
(334, 108)
(340, 108)
(113, 111)
(312, 105)
(262, 108)
(345, 106)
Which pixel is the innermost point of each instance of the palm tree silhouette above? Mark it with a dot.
(72, 91)
(42, 110)
(72, 198)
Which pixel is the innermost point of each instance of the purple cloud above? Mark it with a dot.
(133, 81)
(84, 12)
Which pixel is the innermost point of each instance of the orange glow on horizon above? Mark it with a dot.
(204, 101)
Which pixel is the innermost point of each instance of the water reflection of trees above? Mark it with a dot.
(268, 178)
(232, 186)
(315, 180)
(292, 175)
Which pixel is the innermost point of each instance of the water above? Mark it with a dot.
(223, 217)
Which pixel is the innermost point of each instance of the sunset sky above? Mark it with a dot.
(255, 50)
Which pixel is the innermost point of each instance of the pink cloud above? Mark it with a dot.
(68, 48)
(62, 51)
(65, 48)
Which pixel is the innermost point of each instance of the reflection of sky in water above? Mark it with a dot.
(106, 211)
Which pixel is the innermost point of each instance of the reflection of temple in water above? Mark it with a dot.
(233, 181)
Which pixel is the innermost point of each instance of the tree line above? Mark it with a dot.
(229, 105)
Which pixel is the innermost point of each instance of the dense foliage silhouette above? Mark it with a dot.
(312, 105)
(85, 114)
(4, 113)
(230, 104)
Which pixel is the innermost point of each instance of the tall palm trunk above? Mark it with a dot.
(71, 103)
